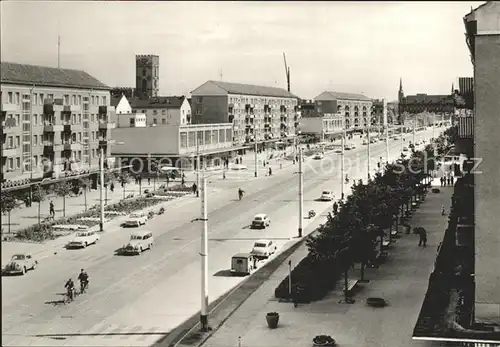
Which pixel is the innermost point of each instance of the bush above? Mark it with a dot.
(37, 233)
(128, 206)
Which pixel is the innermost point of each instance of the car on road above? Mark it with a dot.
(353, 146)
(136, 219)
(20, 264)
(139, 242)
(365, 142)
(318, 156)
(347, 147)
(327, 195)
(83, 239)
(263, 248)
(238, 167)
(405, 149)
(260, 220)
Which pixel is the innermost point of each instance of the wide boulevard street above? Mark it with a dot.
(135, 300)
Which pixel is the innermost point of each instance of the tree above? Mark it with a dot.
(8, 202)
(63, 189)
(109, 177)
(38, 196)
(85, 183)
(124, 179)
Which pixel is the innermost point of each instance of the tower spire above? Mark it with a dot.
(452, 88)
(58, 51)
(400, 84)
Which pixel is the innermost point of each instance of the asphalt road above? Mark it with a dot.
(133, 301)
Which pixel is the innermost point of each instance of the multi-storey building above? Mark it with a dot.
(325, 124)
(258, 113)
(379, 112)
(147, 77)
(53, 120)
(163, 110)
(352, 110)
(413, 104)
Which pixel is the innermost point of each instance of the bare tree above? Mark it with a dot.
(63, 189)
(8, 203)
(38, 196)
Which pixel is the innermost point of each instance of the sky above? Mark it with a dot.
(358, 47)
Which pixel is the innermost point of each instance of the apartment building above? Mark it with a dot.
(258, 113)
(163, 110)
(352, 110)
(53, 121)
(325, 124)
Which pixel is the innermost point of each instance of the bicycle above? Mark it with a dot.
(70, 296)
(84, 285)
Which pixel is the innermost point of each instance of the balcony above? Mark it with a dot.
(51, 128)
(105, 125)
(9, 126)
(10, 151)
(9, 107)
(66, 128)
(72, 108)
(106, 109)
(103, 141)
(466, 127)
(51, 107)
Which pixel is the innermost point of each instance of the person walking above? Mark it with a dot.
(52, 212)
(112, 187)
(443, 210)
(423, 237)
(270, 172)
(194, 188)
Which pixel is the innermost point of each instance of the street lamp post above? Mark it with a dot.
(101, 190)
(255, 147)
(301, 194)
(368, 161)
(342, 161)
(414, 124)
(204, 257)
(197, 165)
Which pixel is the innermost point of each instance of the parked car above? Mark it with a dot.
(20, 264)
(83, 239)
(263, 249)
(261, 220)
(318, 156)
(238, 167)
(136, 219)
(139, 242)
(327, 195)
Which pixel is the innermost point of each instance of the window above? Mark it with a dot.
(17, 98)
(80, 137)
(132, 122)
(41, 99)
(79, 99)
(18, 141)
(104, 101)
(73, 118)
(73, 137)
(35, 140)
(199, 100)
(92, 100)
(163, 112)
(35, 119)
(18, 163)
(35, 99)
(79, 119)
(198, 112)
(11, 163)
(66, 99)
(10, 98)
(92, 117)
(93, 136)
(163, 121)
(11, 141)
(155, 112)
(155, 121)
(35, 161)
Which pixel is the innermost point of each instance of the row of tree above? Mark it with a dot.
(62, 189)
(355, 232)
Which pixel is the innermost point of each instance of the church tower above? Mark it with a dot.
(401, 96)
(147, 81)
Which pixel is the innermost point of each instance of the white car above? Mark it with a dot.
(83, 239)
(327, 195)
(318, 156)
(139, 242)
(261, 220)
(20, 264)
(263, 249)
(136, 219)
(238, 167)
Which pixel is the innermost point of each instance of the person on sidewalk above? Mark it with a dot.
(224, 174)
(443, 210)
(112, 187)
(52, 212)
(422, 237)
(194, 188)
(270, 172)
(149, 181)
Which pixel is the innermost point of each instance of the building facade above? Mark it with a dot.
(346, 109)
(121, 104)
(173, 145)
(164, 110)
(258, 113)
(147, 83)
(53, 121)
(413, 104)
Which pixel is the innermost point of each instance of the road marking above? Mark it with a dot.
(135, 329)
(151, 332)
(119, 330)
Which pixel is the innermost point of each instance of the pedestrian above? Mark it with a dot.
(441, 181)
(422, 237)
(224, 175)
(443, 210)
(149, 181)
(335, 207)
(52, 212)
(183, 181)
(241, 159)
(270, 172)
(112, 187)
(452, 179)
(449, 180)
(194, 188)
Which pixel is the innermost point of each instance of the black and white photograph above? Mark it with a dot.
(250, 173)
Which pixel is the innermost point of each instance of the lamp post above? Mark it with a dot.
(301, 194)
(255, 147)
(342, 161)
(197, 165)
(368, 148)
(204, 257)
(101, 188)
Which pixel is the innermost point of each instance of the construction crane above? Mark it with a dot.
(287, 73)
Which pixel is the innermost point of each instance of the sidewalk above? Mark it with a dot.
(402, 280)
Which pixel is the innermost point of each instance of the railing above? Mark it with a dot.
(465, 127)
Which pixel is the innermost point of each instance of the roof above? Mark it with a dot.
(344, 96)
(242, 255)
(115, 100)
(14, 73)
(250, 89)
(428, 99)
(472, 10)
(157, 102)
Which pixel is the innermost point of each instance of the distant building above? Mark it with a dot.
(163, 110)
(258, 113)
(147, 82)
(127, 91)
(313, 122)
(345, 109)
(413, 104)
(54, 121)
(121, 104)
